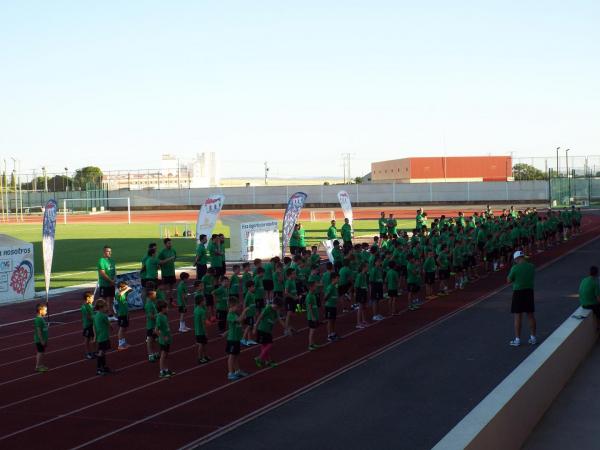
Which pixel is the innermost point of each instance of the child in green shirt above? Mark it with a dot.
(182, 295)
(209, 280)
(235, 318)
(164, 338)
(122, 314)
(361, 287)
(87, 320)
(312, 314)
(151, 312)
(40, 336)
(221, 295)
(102, 336)
(250, 305)
(331, 299)
(199, 330)
(264, 332)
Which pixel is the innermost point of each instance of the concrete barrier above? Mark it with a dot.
(507, 416)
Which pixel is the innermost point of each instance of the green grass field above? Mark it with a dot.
(78, 246)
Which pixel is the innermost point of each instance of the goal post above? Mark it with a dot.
(93, 206)
(321, 216)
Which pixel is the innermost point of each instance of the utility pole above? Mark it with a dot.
(266, 172)
(346, 163)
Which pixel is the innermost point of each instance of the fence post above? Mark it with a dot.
(393, 192)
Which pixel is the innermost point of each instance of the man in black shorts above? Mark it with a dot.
(522, 276)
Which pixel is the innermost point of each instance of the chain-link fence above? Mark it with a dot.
(575, 190)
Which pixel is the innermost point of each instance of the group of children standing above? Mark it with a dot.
(248, 304)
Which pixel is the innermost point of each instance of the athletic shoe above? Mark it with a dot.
(113, 319)
(313, 347)
(532, 340)
(184, 330)
(241, 373)
(515, 342)
(100, 372)
(170, 372)
(259, 362)
(164, 374)
(287, 332)
(89, 356)
(202, 360)
(208, 359)
(251, 342)
(378, 317)
(233, 376)
(244, 342)
(156, 356)
(41, 369)
(272, 364)
(360, 326)
(152, 358)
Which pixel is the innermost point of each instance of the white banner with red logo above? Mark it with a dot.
(208, 214)
(346, 205)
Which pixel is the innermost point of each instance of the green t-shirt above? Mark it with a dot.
(429, 264)
(331, 296)
(278, 282)
(589, 290)
(392, 279)
(250, 303)
(216, 257)
(361, 281)
(87, 315)
(152, 264)
(181, 294)
(259, 288)
(269, 317)
(202, 254)
(162, 325)
(151, 312)
(332, 233)
(338, 256)
(199, 318)
(413, 275)
(221, 295)
(246, 277)
(209, 283)
(167, 269)
(346, 232)
(345, 275)
(234, 327)
(122, 305)
(101, 327)
(234, 285)
(376, 274)
(522, 275)
(382, 225)
(326, 279)
(290, 287)
(312, 311)
(108, 265)
(40, 324)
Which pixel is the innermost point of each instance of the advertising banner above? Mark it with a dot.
(48, 232)
(292, 212)
(134, 281)
(259, 240)
(208, 214)
(16, 270)
(346, 205)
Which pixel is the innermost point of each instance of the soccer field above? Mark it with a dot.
(79, 245)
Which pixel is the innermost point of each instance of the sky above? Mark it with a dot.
(117, 84)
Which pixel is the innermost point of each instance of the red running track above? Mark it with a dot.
(70, 407)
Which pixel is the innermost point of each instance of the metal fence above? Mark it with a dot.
(577, 190)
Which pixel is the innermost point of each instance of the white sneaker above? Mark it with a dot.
(113, 319)
(515, 342)
(378, 317)
(532, 340)
(360, 326)
(251, 342)
(244, 342)
(184, 330)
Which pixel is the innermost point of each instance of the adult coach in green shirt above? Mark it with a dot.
(332, 231)
(589, 292)
(167, 257)
(347, 235)
(201, 261)
(522, 276)
(106, 275)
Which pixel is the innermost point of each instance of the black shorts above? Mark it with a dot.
(522, 301)
(107, 292)
(561, 228)
(40, 348)
(313, 324)
(413, 287)
(330, 312)
(361, 296)
(232, 347)
(392, 292)
(165, 348)
(201, 339)
(443, 274)
(249, 321)
(403, 271)
(210, 300)
(104, 346)
(268, 285)
(221, 314)
(343, 289)
(290, 304)
(260, 303)
(147, 280)
(123, 321)
(182, 309)
(376, 291)
(151, 334)
(263, 337)
(429, 277)
(88, 332)
(201, 270)
(169, 280)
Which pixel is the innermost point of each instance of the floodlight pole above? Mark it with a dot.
(129, 210)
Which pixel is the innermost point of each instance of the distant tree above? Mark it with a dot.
(35, 184)
(87, 176)
(522, 171)
(358, 180)
(326, 183)
(59, 183)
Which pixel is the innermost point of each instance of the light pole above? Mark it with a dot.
(45, 179)
(66, 179)
(266, 172)
(567, 160)
(557, 162)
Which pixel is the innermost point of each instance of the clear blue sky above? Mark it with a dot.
(118, 83)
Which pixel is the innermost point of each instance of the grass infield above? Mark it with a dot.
(78, 246)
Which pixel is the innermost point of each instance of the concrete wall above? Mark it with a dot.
(360, 194)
